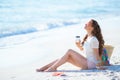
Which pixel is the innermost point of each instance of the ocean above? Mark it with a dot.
(23, 17)
(38, 31)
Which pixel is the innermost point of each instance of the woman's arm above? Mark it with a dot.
(99, 61)
(79, 45)
(96, 53)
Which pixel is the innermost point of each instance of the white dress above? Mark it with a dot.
(89, 44)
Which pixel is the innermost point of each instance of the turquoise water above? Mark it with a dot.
(26, 16)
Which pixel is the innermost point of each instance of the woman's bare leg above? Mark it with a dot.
(78, 60)
(72, 57)
(46, 66)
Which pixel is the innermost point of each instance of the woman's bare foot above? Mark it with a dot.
(51, 69)
(38, 70)
(41, 69)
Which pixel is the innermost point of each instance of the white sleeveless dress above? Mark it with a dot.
(89, 44)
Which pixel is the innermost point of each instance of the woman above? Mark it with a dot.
(92, 45)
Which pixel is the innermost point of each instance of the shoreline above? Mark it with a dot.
(20, 62)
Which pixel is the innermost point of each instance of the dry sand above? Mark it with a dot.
(19, 62)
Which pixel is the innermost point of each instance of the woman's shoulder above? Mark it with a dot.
(93, 38)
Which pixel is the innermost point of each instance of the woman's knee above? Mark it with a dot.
(69, 52)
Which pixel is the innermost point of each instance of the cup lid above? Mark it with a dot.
(77, 36)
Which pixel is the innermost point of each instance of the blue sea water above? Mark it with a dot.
(26, 16)
(24, 20)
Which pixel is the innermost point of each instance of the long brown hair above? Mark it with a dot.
(98, 34)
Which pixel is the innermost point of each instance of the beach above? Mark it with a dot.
(19, 62)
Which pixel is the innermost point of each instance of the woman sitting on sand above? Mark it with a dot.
(92, 45)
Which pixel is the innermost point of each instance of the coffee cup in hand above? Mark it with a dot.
(77, 39)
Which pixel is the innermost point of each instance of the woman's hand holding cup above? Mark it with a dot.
(78, 42)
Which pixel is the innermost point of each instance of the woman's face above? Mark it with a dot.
(88, 26)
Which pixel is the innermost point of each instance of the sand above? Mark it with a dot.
(19, 62)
